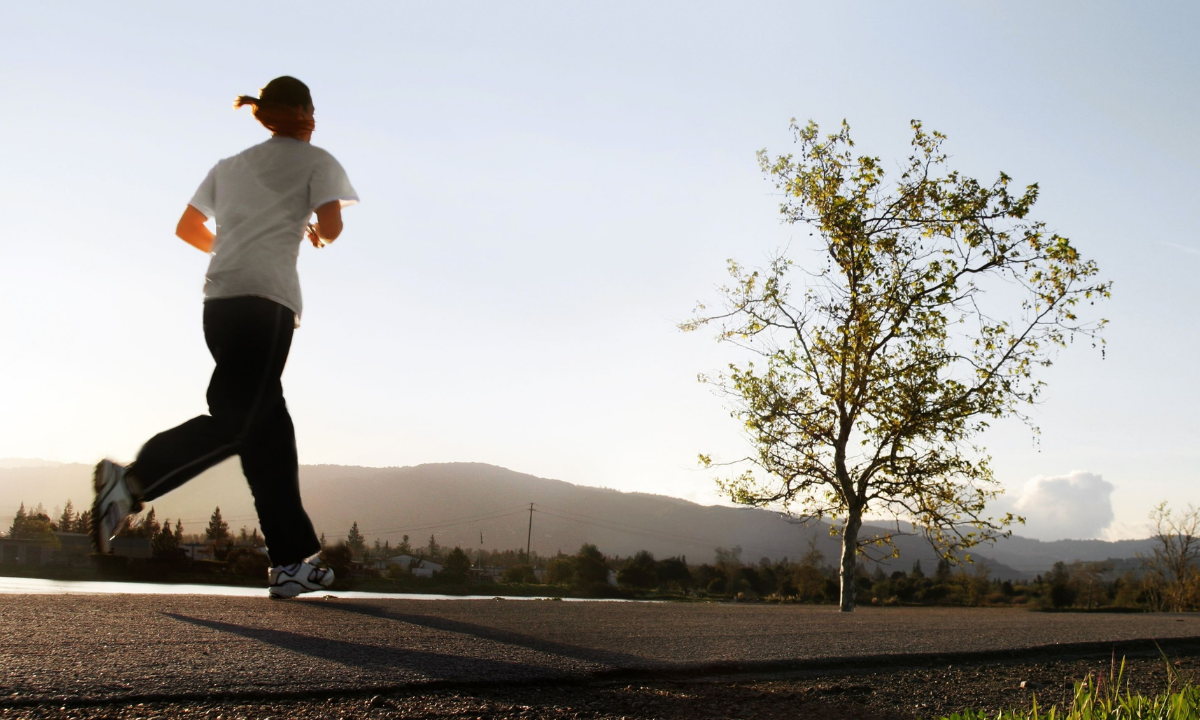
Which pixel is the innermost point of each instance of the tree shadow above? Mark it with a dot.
(374, 657)
(608, 658)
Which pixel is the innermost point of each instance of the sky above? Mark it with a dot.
(548, 189)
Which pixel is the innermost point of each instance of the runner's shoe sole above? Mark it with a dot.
(112, 504)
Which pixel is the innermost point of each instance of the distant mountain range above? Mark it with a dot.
(474, 505)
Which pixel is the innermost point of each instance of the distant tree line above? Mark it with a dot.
(1165, 579)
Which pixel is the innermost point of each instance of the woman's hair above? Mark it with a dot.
(280, 106)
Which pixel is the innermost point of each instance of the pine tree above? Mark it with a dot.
(83, 523)
(405, 548)
(66, 521)
(178, 532)
(433, 547)
(457, 565)
(150, 527)
(355, 541)
(163, 543)
(18, 523)
(941, 575)
(218, 529)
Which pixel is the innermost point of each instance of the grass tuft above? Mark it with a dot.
(1102, 699)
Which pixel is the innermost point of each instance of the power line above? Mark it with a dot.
(583, 518)
(469, 518)
(496, 515)
(645, 532)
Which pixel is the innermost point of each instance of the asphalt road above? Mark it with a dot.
(85, 648)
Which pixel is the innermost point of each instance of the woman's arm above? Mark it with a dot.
(192, 231)
(328, 225)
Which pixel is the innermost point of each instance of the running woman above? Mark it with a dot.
(262, 200)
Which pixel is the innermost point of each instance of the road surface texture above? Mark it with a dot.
(92, 656)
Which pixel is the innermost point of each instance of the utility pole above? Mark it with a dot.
(528, 537)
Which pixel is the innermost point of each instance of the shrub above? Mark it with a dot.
(248, 562)
(519, 574)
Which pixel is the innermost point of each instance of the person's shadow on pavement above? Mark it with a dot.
(374, 657)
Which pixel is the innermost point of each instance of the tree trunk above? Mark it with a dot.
(849, 559)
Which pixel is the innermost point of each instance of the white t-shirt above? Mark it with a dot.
(262, 200)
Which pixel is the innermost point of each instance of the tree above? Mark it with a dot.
(404, 548)
(66, 521)
(434, 550)
(590, 566)
(32, 526)
(519, 573)
(640, 571)
(674, 570)
(810, 574)
(560, 571)
(1090, 582)
(937, 303)
(217, 531)
(1173, 581)
(917, 572)
(149, 526)
(18, 522)
(164, 545)
(83, 522)
(1059, 593)
(457, 565)
(355, 541)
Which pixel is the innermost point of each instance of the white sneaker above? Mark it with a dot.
(112, 505)
(288, 581)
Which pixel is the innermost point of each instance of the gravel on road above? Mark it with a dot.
(110, 655)
(917, 693)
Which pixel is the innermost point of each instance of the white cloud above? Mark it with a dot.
(1121, 530)
(1077, 506)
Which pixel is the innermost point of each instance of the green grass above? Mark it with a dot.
(1102, 699)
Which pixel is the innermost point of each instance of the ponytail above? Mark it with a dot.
(280, 107)
(285, 120)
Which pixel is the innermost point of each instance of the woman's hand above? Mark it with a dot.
(328, 225)
(314, 235)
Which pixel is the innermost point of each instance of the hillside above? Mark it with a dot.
(461, 502)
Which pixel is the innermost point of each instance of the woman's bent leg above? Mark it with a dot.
(269, 462)
(171, 458)
(249, 338)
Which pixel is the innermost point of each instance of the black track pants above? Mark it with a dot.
(249, 337)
